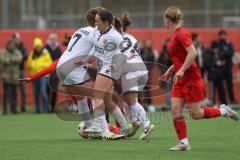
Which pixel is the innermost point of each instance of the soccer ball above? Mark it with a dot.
(80, 129)
(73, 108)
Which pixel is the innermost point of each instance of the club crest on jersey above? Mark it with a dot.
(110, 46)
(105, 41)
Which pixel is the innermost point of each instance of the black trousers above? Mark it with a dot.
(221, 92)
(9, 97)
(52, 98)
(229, 82)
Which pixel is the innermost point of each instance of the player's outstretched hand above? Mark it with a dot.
(167, 74)
(24, 80)
(177, 76)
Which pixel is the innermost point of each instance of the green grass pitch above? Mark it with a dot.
(45, 137)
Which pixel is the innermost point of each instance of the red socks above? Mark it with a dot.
(180, 127)
(211, 112)
(180, 124)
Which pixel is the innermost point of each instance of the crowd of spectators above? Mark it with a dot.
(13, 60)
(214, 62)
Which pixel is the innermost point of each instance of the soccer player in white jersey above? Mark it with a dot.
(74, 77)
(134, 78)
(108, 47)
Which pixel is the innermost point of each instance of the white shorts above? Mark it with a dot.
(108, 71)
(76, 76)
(134, 81)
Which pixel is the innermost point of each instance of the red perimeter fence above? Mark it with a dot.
(157, 36)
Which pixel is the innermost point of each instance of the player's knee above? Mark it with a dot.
(177, 111)
(130, 100)
(196, 115)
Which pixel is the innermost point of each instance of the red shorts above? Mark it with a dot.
(191, 91)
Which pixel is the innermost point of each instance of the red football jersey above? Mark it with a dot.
(179, 41)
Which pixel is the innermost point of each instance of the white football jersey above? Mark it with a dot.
(80, 44)
(134, 72)
(136, 63)
(108, 44)
(79, 47)
(133, 47)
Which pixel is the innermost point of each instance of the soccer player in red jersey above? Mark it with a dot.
(188, 85)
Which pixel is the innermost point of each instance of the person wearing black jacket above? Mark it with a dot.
(214, 63)
(20, 46)
(227, 51)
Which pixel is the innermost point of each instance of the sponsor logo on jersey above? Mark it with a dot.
(99, 50)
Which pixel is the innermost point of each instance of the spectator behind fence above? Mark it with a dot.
(10, 58)
(20, 46)
(215, 65)
(39, 59)
(54, 49)
(165, 60)
(200, 52)
(227, 50)
(148, 55)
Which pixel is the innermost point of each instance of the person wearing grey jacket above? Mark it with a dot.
(23, 50)
(10, 58)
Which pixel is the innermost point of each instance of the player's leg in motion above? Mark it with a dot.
(117, 114)
(83, 107)
(102, 87)
(84, 111)
(197, 111)
(179, 124)
(137, 113)
(81, 100)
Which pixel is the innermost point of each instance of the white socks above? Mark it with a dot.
(100, 120)
(223, 111)
(184, 141)
(118, 116)
(99, 114)
(83, 109)
(137, 113)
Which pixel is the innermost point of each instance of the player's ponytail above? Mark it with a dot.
(66, 40)
(117, 24)
(126, 22)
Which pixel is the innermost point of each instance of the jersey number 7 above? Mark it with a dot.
(77, 36)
